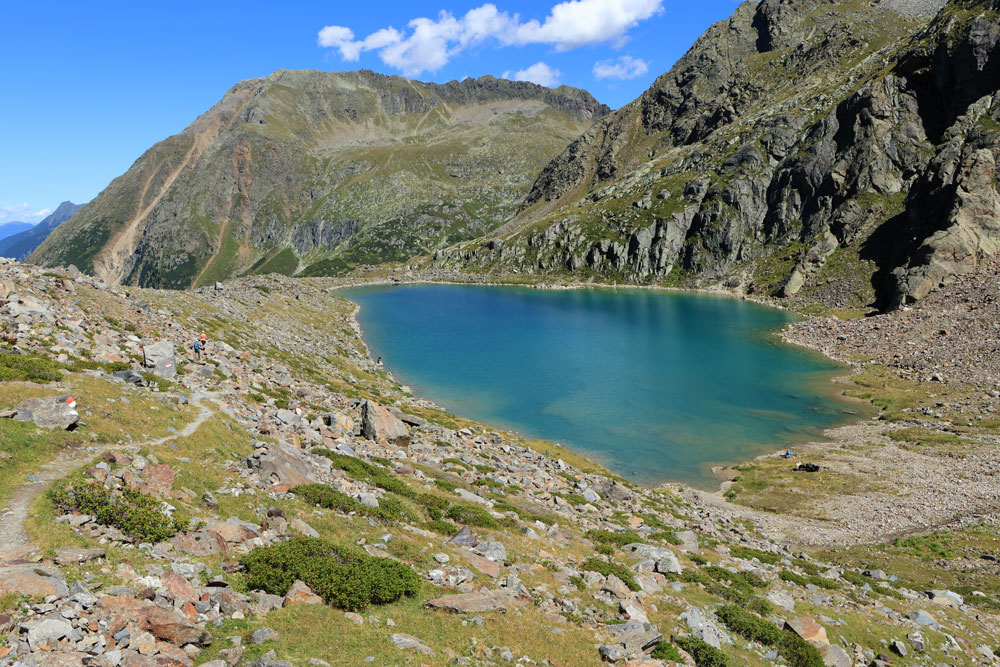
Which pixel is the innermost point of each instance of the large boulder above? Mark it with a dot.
(378, 423)
(285, 464)
(159, 357)
(49, 412)
(472, 603)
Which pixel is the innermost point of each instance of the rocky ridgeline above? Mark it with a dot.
(638, 572)
(795, 145)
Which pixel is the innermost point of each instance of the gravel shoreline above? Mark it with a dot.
(951, 339)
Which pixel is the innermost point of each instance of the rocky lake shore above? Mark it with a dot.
(169, 524)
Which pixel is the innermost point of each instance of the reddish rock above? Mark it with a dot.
(178, 587)
(232, 533)
(484, 565)
(159, 478)
(808, 629)
(299, 593)
(201, 543)
(171, 627)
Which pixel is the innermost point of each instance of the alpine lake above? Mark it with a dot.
(655, 385)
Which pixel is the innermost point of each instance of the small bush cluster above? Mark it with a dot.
(740, 591)
(667, 536)
(742, 579)
(815, 580)
(617, 539)
(388, 511)
(524, 515)
(666, 651)
(605, 568)
(471, 515)
(344, 577)
(749, 553)
(704, 654)
(27, 367)
(797, 651)
(362, 471)
(135, 514)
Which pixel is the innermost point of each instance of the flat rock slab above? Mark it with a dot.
(807, 628)
(410, 643)
(76, 555)
(48, 412)
(29, 579)
(472, 603)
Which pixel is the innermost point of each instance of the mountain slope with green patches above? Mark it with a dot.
(842, 152)
(316, 172)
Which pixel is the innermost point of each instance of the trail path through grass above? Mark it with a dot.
(14, 539)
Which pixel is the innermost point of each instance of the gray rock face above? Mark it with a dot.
(704, 627)
(49, 412)
(899, 171)
(284, 464)
(159, 357)
(378, 423)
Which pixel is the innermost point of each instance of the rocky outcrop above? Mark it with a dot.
(745, 166)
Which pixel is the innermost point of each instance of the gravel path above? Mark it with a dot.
(14, 539)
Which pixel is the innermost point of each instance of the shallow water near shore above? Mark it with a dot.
(656, 386)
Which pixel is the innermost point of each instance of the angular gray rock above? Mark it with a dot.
(159, 357)
(378, 423)
(48, 412)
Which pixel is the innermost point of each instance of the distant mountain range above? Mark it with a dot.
(11, 228)
(22, 243)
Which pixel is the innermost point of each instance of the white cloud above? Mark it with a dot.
(578, 22)
(428, 44)
(626, 67)
(539, 73)
(22, 213)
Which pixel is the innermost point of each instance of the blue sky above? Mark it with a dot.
(88, 87)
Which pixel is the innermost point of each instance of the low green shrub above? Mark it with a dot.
(441, 526)
(363, 471)
(749, 626)
(704, 654)
(748, 553)
(605, 549)
(617, 539)
(855, 578)
(344, 577)
(472, 516)
(137, 515)
(666, 651)
(815, 580)
(606, 568)
(795, 650)
(524, 515)
(667, 536)
(445, 485)
(388, 511)
(741, 578)
(28, 367)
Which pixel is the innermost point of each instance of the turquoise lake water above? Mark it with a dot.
(654, 385)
